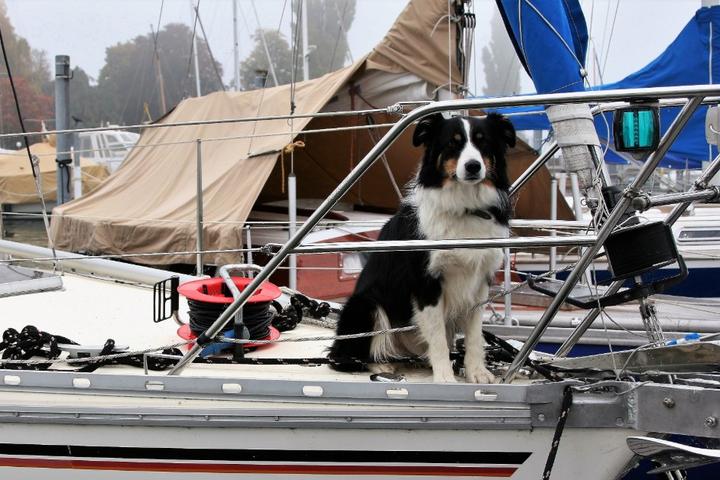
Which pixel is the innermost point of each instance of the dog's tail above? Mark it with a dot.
(352, 355)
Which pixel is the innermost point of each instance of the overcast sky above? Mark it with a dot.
(84, 28)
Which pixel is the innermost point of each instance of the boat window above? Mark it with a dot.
(699, 235)
(86, 146)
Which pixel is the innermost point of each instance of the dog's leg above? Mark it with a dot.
(431, 322)
(475, 371)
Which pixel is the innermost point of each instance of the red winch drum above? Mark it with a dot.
(213, 294)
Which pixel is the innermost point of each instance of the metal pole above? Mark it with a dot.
(62, 122)
(77, 173)
(194, 7)
(506, 286)
(646, 202)
(199, 211)
(553, 217)
(580, 330)
(533, 168)
(292, 228)
(392, 134)
(265, 46)
(603, 234)
(236, 49)
(412, 245)
(306, 53)
(248, 244)
(575, 189)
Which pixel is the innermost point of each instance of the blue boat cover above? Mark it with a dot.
(686, 61)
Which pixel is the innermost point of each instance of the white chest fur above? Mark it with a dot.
(442, 214)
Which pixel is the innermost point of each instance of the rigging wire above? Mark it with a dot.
(341, 29)
(612, 31)
(190, 55)
(207, 44)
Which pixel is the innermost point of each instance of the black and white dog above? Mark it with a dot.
(461, 191)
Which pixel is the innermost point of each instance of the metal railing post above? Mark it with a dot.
(506, 285)
(199, 211)
(582, 327)
(553, 216)
(603, 234)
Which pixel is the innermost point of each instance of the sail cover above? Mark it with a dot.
(691, 59)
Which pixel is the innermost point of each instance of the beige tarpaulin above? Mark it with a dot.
(17, 184)
(418, 43)
(149, 203)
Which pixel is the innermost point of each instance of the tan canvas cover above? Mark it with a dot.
(418, 43)
(148, 204)
(17, 184)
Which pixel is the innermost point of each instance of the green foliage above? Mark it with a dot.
(30, 73)
(257, 59)
(129, 79)
(328, 24)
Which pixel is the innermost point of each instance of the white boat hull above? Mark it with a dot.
(118, 452)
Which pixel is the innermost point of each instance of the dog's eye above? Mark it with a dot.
(478, 136)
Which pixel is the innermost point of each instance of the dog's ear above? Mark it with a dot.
(502, 127)
(426, 128)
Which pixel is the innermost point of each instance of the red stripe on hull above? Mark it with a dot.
(289, 469)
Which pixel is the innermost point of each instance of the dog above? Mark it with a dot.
(460, 191)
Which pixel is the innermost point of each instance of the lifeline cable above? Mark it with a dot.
(27, 149)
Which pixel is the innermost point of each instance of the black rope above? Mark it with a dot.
(17, 105)
(564, 410)
(31, 342)
(255, 316)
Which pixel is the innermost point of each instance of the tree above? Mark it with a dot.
(128, 84)
(30, 72)
(86, 109)
(500, 62)
(35, 106)
(328, 24)
(257, 59)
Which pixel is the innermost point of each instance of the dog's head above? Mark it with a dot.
(464, 149)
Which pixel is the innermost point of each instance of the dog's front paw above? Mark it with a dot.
(444, 376)
(479, 375)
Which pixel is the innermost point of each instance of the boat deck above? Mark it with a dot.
(90, 310)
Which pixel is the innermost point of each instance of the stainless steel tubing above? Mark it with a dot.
(533, 168)
(393, 133)
(604, 232)
(700, 183)
(579, 331)
(645, 202)
(200, 241)
(410, 245)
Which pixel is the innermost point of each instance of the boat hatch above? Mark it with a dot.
(16, 280)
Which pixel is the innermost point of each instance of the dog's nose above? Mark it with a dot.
(473, 167)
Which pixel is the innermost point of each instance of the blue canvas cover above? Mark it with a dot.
(548, 29)
(686, 61)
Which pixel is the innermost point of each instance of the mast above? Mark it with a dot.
(236, 45)
(194, 7)
(306, 53)
(158, 75)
